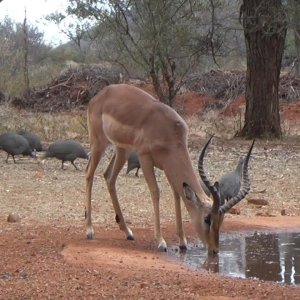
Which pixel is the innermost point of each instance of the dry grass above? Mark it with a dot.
(213, 123)
(55, 126)
(43, 190)
(48, 126)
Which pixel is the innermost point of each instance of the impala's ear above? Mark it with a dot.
(190, 195)
(188, 192)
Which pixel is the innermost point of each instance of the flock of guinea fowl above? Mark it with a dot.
(28, 144)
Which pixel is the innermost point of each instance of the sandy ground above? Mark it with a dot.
(46, 255)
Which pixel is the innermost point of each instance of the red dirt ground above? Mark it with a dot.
(48, 257)
(55, 261)
(192, 103)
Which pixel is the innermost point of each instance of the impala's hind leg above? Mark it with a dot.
(115, 166)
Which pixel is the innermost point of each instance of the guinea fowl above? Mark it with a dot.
(67, 150)
(133, 163)
(230, 183)
(15, 144)
(33, 140)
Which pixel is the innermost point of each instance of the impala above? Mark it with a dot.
(132, 119)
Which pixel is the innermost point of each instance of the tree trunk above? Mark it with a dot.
(265, 30)
(158, 84)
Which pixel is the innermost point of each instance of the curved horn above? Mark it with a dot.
(245, 186)
(213, 188)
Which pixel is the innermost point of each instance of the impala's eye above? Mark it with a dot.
(207, 220)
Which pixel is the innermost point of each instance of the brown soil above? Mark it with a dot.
(55, 261)
(46, 255)
(235, 107)
(192, 103)
(291, 112)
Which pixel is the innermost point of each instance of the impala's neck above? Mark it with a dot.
(178, 169)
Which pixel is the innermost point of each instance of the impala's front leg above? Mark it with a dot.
(148, 171)
(90, 170)
(97, 149)
(180, 231)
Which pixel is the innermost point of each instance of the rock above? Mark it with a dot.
(265, 214)
(13, 218)
(260, 202)
(235, 211)
(283, 212)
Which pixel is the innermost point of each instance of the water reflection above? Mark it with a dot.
(266, 256)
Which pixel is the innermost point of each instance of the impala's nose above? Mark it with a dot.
(213, 251)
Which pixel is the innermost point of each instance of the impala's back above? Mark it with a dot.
(131, 118)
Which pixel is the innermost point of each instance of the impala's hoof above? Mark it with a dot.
(129, 234)
(182, 248)
(130, 238)
(90, 234)
(162, 247)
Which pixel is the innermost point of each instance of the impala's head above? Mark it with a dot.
(208, 219)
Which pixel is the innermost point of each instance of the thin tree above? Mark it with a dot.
(265, 27)
(25, 51)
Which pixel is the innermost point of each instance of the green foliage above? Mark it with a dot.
(44, 61)
(62, 53)
(12, 55)
(290, 43)
(162, 39)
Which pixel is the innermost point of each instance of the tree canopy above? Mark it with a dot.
(164, 39)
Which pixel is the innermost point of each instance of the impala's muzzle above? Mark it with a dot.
(213, 248)
(213, 222)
